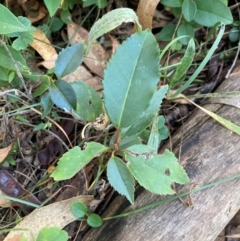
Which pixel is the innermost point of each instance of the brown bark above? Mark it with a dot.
(209, 152)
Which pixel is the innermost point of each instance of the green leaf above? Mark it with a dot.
(63, 95)
(66, 16)
(21, 119)
(4, 74)
(52, 233)
(110, 21)
(172, 3)
(203, 63)
(185, 30)
(42, 126)
(55, 24)
(146, 119)
(154, 139)
(156, 173)
(162, 129)
(47, 104)
(166, 33)
(189, 9)
(177, 12)
(126, 141)
(23, 238)
(94, 220)
(79, 209)
(69, 59)
(186, 62)
(52, 6)
(129, 141)
(99, 3)
(27, 23)
(120, 178)
(89, 103)
(158, 133)
(23, 41)
(212, 11)
(143, 150)
(225, 2)
(6, 61)
(44, 86)
(9, 23)
(234, 34)
(130, 79)
(11, 76)
(75, 159)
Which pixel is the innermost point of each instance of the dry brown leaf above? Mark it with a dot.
(97, 56)
(57, 214)
(16, 237)
(34, 10)
(4, 202)
(81, 73)
(42, 45)
(96, 59)
(41, 13)
(50, 63)
(160, 20)
(76, 34)
(233, 236)
(4, 152)
(145, 12)
(95, 82)
(115, 43)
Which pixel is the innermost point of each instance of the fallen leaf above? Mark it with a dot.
(76, 34)
(37, 15)
(160, 20)
(95, 82)
(4, 152)
(15, 238)
(115, 43)
(42, 45)
(81, 73)
(57, 214)
(11, 187)
(96, 59)
(4, 202)
(49, 63)
(145, 12)
(34, 10)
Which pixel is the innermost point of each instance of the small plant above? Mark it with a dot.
(52, 233)
(131, 97)
(131, 103)
(192, 15)
(234, 34)
(80, 211)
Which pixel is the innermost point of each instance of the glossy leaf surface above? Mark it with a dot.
(75, 159)
(120, 178)
(69, 59)
(89, 103)
(146, 119)
(130, 79)
(63, 95)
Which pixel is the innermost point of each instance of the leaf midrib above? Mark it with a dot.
(128, 89)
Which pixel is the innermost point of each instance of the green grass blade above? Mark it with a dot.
(204, 62)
